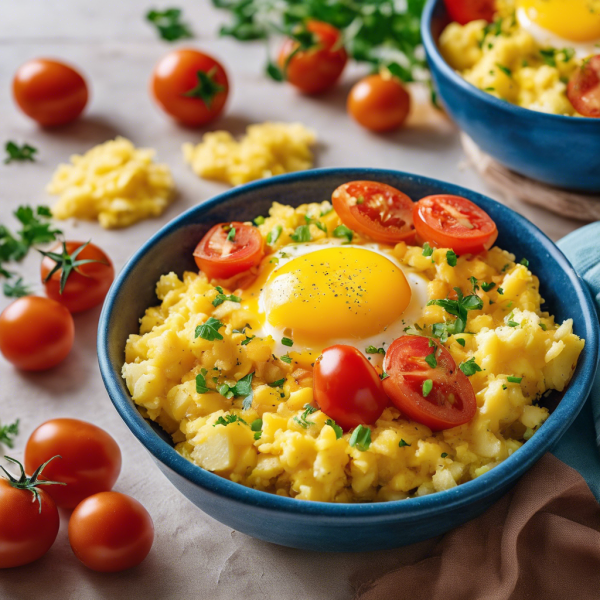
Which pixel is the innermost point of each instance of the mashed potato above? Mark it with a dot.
(508, 63)
(280, 443)
(115, 183)
(267, 149)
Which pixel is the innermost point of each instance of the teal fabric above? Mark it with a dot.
(579, 446)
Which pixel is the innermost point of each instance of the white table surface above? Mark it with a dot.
(193, 555)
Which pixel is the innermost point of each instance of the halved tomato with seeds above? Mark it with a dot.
(583, 90)
(424, 383)
(229, 249)
(375, 209)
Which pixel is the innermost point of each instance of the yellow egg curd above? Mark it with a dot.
(240, 406)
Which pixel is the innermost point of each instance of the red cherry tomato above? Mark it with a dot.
(36, 333)
(450, 402)
(347, 388)
(49, 91)
(379, 104)
(110, 532)
(584, 88)
(87, 284)
(90, 463)
(454, 222)
(465, 11)
(28, 527)
(375, 209)
(229, 249)
(191, 86)
(319, 67)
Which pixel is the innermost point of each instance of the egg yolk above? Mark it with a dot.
(574, 20)
(335, 293)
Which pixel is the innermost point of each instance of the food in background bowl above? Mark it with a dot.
(332, 357)
(538, 54)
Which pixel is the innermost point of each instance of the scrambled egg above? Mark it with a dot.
(115, 183)
(507, 62)
(267, 149)
(269, 435)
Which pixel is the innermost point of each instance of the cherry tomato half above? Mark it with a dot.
(36, 333)
(378, 103)
(50, 92)
(347, 388)
(317, 68)
(451, 400)
(465, 11)
(375, 209)
(111, 532)
(90, 463)
(191, 86)
(87, 284)
(584, 88)
(26, 532)
(454, 222)
(229, 249)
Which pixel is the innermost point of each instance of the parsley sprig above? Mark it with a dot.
(459, 308)
(168, 24)
(210, 330)
(302, 420)
(8, 433)
(222, 297)
(19, 153)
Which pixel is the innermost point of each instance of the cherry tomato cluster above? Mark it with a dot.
(346, 386)
(77, 464)
(37, 333)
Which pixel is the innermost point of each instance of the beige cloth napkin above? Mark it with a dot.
(540, 541)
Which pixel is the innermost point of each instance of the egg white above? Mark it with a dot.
(419, 297)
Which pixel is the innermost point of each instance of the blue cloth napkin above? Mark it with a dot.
(579, 446)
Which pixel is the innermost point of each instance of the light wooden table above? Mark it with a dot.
(193, 556)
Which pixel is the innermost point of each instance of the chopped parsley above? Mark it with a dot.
(513, 379)
(427, 249)
(361, 438)
(302, 421)
(525, 262)
(543, 326)
(501, 291)
(461, 341)
(549, 55)
(403, 444)
(444, 454)
(459, 308)
(274, 234)
(486, 287)
(201, 387)
(374, 350)
(210, 330)
(504, 69)
(8, 433)
(287, 342)
(341, 231)
(286, 359)
(169, 25)
(19, 153)
(451, 258)
(427, 387)
(231, 235)
(302, 234)
(248, 339)
(228, 420)
(383, 376)
(338, 430)
(469, 367)
(259, 220)
(243, 389)
(277, 383)
(431, 359)
(221, 297)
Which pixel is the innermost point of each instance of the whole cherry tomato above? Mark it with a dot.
(50, 92)
(191, 86)
(583, 89)
(378, 103)
(347, 388)
(83, 271)
(315, 65)
(36, 333)
(375, 209)
(447, 221)
(29, 519)
(465, 11)
(90, 463)
(229, 249)
(110, 532)
(446, 401)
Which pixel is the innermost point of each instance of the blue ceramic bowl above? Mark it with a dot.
(562, 151)
(317, 525)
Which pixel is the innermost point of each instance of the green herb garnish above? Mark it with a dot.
(403, 444)
(302, 421)
(210, 330)
(427, 249)
(286, 359)
(302, 234)
(201, 387)
(338, 430)
(486, 287)
(16, 289)
(274, 234)
(459, 308)
(19, 153)
(169, 25)
(8, 433)
(287, 342)
(513, 379)
(341, 231)
(221, 297)
(451, 258)
(374, 350)
(361, 438)
(427, 387)
(228, 420)
(469, 367)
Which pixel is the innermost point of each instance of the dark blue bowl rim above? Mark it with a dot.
(466, 493)
(434, 55)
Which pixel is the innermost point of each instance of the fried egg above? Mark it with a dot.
(315, 295)
(562, 23)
